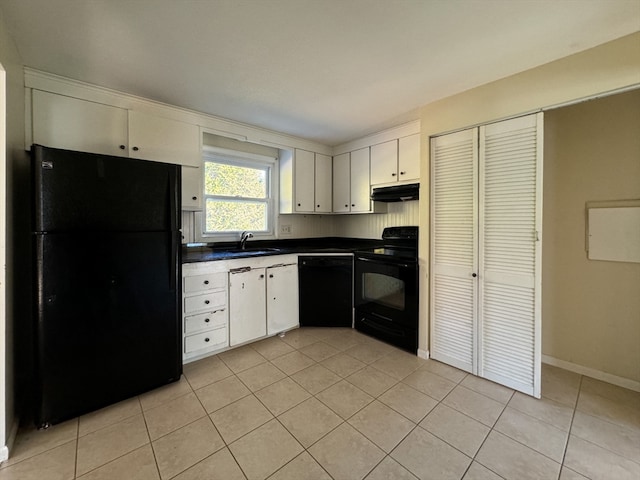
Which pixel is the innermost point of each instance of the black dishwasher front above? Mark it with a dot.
(326, 286)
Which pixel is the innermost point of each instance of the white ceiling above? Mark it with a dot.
(326, 70)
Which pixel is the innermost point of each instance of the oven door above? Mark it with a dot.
(387, 289)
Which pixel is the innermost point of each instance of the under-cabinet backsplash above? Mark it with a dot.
(312, 226)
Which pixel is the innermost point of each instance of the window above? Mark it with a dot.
(237, 193)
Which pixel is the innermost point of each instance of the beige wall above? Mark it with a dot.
(591, 309)
(608, 67)
(17, 219)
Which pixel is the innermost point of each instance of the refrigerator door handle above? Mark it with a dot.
(174, 260)
(175, 179)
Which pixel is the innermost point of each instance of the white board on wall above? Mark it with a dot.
(614, 234)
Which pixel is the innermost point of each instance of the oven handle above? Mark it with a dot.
(380, 262)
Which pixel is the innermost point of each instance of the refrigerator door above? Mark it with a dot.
(107, 320)
(77, 191)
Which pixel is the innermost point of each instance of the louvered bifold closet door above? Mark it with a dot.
(454, 191)
(509, 271)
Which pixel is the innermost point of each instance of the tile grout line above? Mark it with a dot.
(575, 408)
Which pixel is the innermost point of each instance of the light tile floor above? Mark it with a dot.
(335, 404)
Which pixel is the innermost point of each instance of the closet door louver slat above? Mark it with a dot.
(509, 253)
(454, 160)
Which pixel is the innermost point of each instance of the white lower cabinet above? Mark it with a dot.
(282, 298)
(247, 297)
(205, 311)
(263, 301)
(227, 303)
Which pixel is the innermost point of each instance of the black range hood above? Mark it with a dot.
(396, 193)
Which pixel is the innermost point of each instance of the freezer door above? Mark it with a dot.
(107, 320)
(77, 191)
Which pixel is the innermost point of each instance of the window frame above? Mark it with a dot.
(241, 159)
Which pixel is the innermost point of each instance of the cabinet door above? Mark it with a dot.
(341, 183)
(192, 188)
(163, 140)
(384, 162)
(322, 183)
(360, 184)
(304, 174)
(282, 298)
(73, 124)
(409, 158)
(247, 306)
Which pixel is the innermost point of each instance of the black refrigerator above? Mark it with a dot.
(106, 280)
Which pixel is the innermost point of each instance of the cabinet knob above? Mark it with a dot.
(261, 276)
(474, 275)
(206, 339)
(194, 198)
(206, 320)
(402, 173)
(206, 282)
(298, 204)
(122, 147)
(206, 302)
(346, 206)
(135, 149)
(271, 276)
(353, 205)
(393, 174)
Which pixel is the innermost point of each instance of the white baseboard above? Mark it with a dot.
(423, 354)
(593, 373)
(4, 450)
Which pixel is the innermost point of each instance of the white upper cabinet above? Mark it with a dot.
(305, 182)
(304, 187)
(192, 189)
(409, 158)
(163, 140)
(384, 162)
(360, 184)
(322, 184)
(342, 183)
(351, 184)
(396, 160)
(65, 122)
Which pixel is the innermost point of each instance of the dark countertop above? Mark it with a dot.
(254, 248)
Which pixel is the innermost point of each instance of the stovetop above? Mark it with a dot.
(400, 243)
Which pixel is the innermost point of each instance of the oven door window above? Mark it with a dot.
(383, 289)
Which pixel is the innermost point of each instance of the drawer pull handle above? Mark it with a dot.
(206, 282)
(206, 320)
(206, 339)
(206, 302)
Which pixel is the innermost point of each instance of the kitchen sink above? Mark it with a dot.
(247, 252)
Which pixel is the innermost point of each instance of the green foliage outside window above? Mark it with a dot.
(236, 197)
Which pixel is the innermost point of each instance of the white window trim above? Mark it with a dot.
(239, 158)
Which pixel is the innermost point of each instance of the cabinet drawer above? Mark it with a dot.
(208, 301)
(208, 281)
(215, 319)
(212, 339)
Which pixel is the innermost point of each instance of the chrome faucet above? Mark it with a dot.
(243, 239)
